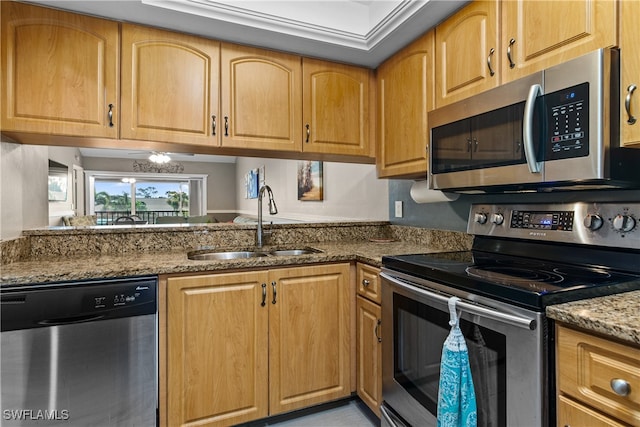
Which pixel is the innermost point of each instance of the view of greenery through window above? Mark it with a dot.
(161, 197)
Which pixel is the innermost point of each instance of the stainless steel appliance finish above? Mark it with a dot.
(553, 129)
(80, 354)
(524, 258)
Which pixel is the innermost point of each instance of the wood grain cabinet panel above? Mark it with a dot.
(169, 86)
(547, 33)
(588, 368)
(630, 72)
(468, 52)
(405, 95)
(336, 116)
(369, 353)
(60, 72)
(246, 345)
(261, 93)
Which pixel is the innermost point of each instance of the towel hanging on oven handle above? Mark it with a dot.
(456, 394)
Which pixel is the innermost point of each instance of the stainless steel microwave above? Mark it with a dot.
(557, 128)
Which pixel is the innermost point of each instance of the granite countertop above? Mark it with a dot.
(167, 262)
(617, 316)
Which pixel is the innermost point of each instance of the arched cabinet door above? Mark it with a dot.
(169, 86)
(405, 95)
(261, 93)
(59, 72)
(335, 113)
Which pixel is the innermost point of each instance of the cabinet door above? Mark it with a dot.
(468, 52)
(368, 282)
(369, 353)
(59, 72)
(335, 108)
(217, 349)
(540, 34)
(309, 358)
(571, 413)
(405, 95)
(169, 86)
(261, 96)
(630, 71)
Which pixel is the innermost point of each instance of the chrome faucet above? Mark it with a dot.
(272, 211)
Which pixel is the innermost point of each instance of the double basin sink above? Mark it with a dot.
(212, 255)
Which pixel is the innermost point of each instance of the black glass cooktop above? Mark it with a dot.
(529, 282)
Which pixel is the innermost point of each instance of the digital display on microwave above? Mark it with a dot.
(567, 114)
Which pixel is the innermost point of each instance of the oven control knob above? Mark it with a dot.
(497, 218)
(480, 218)
(624, 222)
(592, 221)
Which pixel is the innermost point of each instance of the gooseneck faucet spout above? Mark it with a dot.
(273, 209)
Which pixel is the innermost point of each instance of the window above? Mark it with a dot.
(111, 195)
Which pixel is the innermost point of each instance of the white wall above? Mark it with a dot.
(23, 188)
(351, 191)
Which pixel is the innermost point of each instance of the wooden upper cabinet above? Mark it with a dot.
(59, 72)
(540, 34)
(630, 73)
(261, 99)
(405, 95)
(169, 86)
(468, 52)
(335, 108)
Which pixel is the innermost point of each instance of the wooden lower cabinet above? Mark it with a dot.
(369, 353)
(598, 380)
(242, 346)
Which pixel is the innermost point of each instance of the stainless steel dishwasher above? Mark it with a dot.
(80, 353)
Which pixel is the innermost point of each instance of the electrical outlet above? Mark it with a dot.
(398, 208)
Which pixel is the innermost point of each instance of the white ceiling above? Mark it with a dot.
(357, 32)
(144, 155)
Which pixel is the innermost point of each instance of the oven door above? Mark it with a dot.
(506, 352)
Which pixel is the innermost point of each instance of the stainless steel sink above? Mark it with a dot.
(223, 255)
(294, 252)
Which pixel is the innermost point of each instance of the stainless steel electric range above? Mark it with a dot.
(523, 258)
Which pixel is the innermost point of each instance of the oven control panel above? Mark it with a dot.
(604, 224)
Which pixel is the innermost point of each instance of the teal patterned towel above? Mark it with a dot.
(456, 395)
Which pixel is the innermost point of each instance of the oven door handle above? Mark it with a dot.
(479, 310)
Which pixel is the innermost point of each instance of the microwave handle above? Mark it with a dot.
(527, 129)
(472, 308)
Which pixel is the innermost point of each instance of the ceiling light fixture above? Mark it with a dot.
(159, 158)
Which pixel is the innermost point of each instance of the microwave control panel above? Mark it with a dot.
(604, 224)
(568, 123)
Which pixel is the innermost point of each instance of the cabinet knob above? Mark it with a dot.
(620, 387)
(365, 283)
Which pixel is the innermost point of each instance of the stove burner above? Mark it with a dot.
(509, 275)
(583, 273)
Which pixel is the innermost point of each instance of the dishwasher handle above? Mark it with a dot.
(71, 320)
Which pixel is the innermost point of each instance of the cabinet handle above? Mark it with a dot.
(365, 282)
(627, 104)
(226, 125)
(468, 145)
(511, 63)
(475, 145)
(377, 329)
(620, 387)
(264, 295)
(308, 132)
(110, 114)
(213, 125)
(491, 52)
(273, 285)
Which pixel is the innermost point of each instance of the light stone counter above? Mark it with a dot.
(617, 316)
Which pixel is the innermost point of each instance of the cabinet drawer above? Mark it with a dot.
(571, 413)
(369, 282)
(588, 367)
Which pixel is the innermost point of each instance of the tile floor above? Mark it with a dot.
(349, 413)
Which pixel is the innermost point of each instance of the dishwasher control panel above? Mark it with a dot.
(119, 296)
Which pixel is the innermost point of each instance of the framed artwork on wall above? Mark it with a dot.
(251, 183)
(58, 181)
(310, 186)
